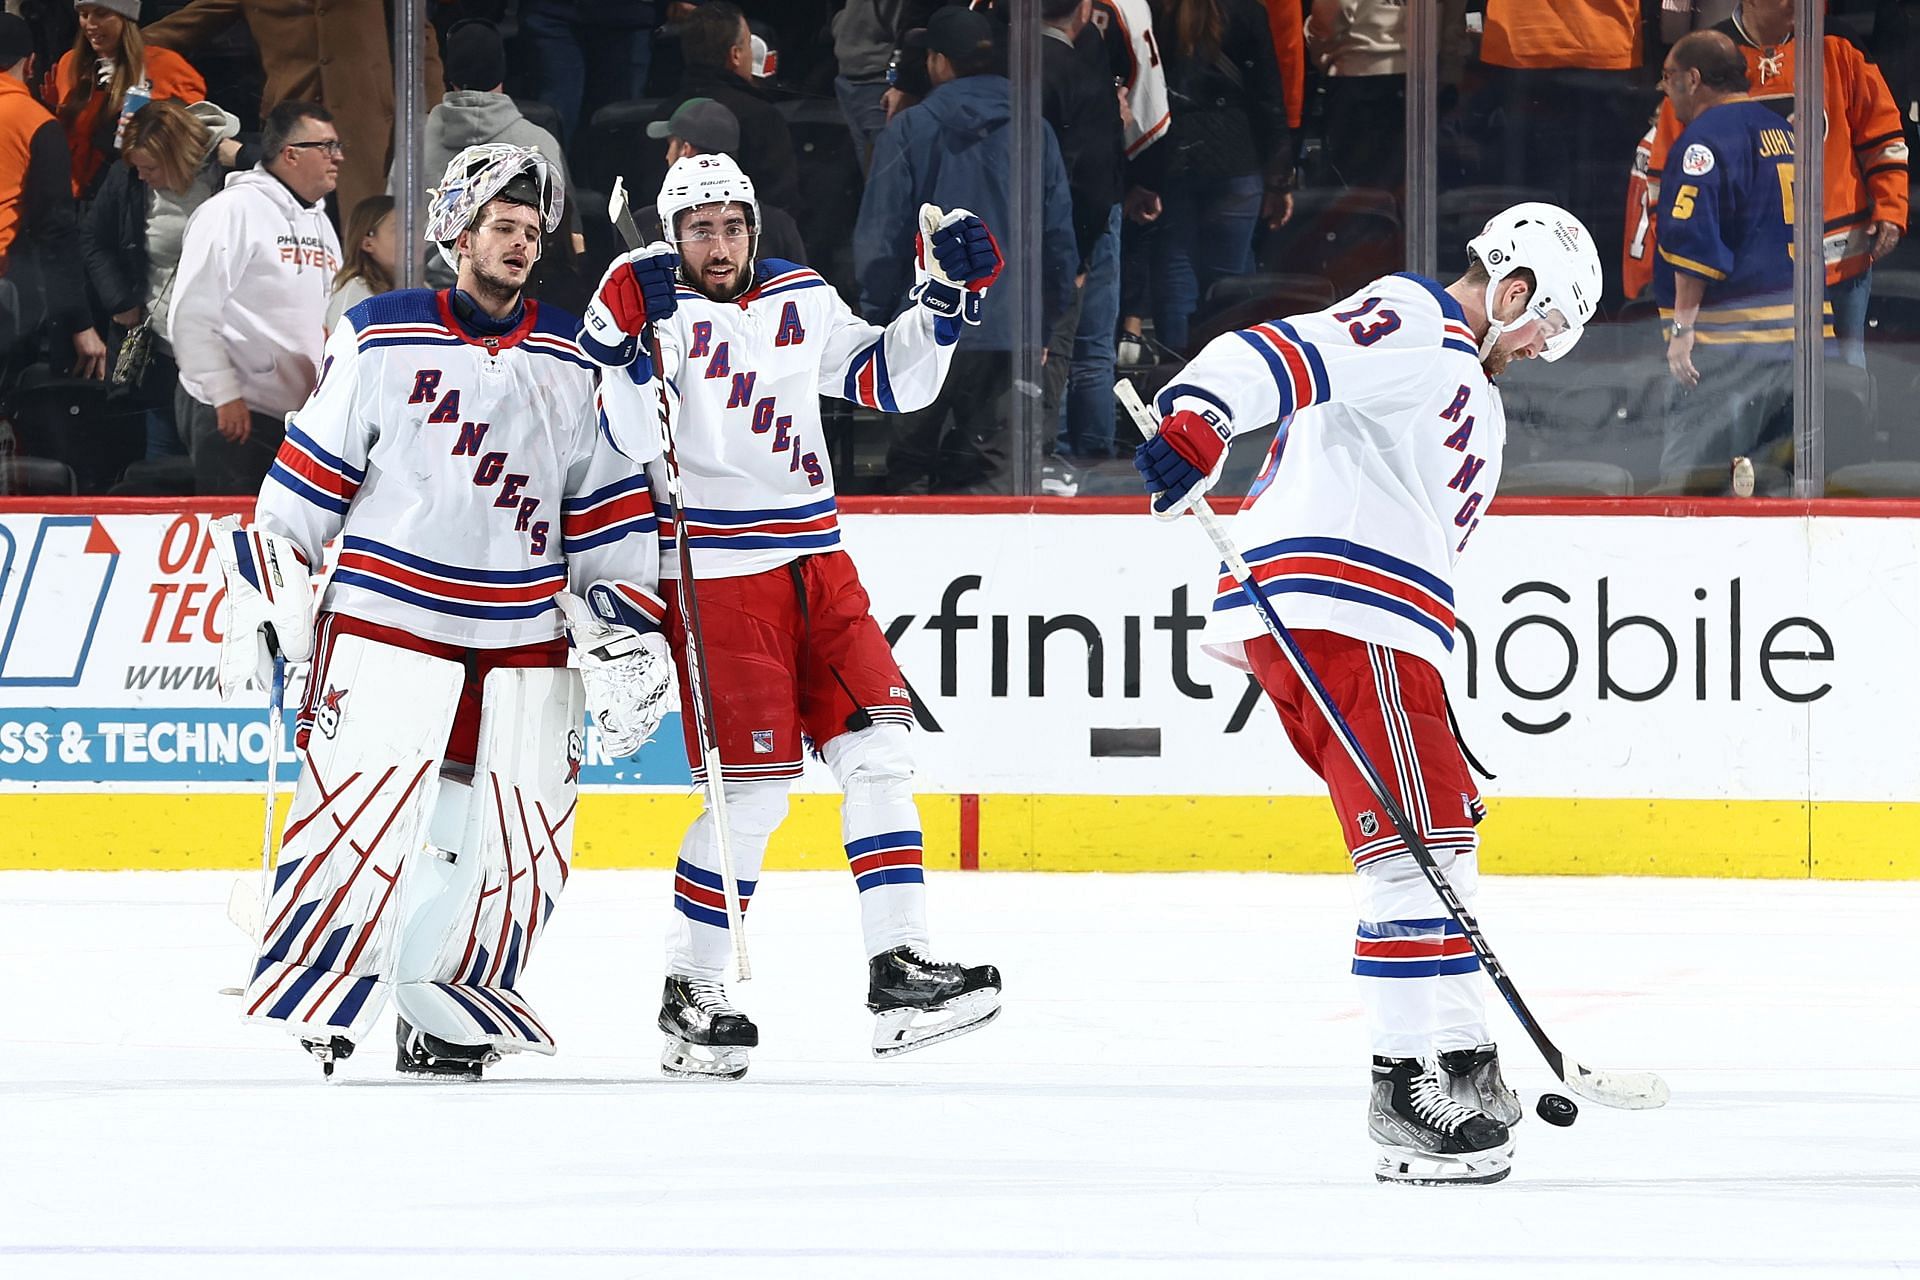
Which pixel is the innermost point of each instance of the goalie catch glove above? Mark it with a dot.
(637, 290)
(1184, 458)
(269, 604)
(628, 672)
(956, 260)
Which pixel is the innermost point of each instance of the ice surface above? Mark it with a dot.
(1175, 1089)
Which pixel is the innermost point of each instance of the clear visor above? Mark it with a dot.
(1557, 333)
(708, 224)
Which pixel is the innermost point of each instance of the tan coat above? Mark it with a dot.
(334, 52)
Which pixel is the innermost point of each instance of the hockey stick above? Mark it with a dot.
(1629, 1090)
(248, 908)
(696, 647)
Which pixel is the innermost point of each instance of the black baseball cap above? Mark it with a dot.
(16, 39)
(954, 32)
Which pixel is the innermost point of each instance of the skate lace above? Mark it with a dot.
(1433, 1106)
(709, 997)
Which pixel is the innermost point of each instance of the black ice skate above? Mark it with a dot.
(1473, 1080)
(1425, 1136)
(329, 1051)
(434, 1058)
(921, 1001)
(707, 1038)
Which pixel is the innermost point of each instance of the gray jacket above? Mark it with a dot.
(466, 118)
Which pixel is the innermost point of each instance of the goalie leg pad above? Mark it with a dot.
(359, 810)
(480, 907)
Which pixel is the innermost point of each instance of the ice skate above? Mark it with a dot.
(1425, 1136)
(922, 1001)
(707, 1038)
(329, 1051)
(1473, 1080)
(430, 1056)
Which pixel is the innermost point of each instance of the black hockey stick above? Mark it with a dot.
(1629, 1090)
(696, 647)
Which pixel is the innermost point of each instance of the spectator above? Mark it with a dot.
(1361, 48)
(717, 47)
(1077, 98)
(40, 274)
(174, 159)
(1725, 275)
(1134, 52)
(954, 150)
(1567, 96)
(1864, 162)
(371, 253)
(1229, 162)
(586, 54)
(109, 74)
(477, 110)
(248, 323)
(701, 126)
(335, 54)
(865, 36)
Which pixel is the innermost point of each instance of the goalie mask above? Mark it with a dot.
(713, 178)
(1556, 246)
(490, 171)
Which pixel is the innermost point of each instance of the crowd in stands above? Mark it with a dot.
(192, 192)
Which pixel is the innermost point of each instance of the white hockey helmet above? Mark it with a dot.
(1554, 245)
(697, 181)
(481, 173)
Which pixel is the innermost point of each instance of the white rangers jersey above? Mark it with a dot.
(1128, 25)
(467, 478)
(744, 381)
(1387, 454)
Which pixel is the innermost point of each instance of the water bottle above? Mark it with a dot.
(138, 96)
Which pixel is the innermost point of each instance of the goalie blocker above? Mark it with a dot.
(428, 844)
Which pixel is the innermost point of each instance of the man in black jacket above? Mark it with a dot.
(40, 260)
(718, 51)
(1078, 98)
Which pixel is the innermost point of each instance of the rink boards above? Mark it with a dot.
(1679, 689)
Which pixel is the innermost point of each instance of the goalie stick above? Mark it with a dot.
(247, 906)
(1628, 1090)
(696, 649)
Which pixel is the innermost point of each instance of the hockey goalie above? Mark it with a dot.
(454, 447)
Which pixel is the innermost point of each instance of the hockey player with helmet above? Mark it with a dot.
(792, 655)
(454, 448)
(1388, 450)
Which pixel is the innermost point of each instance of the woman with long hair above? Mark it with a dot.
(172, 159)
(370, 251)
(1228, 154)
(109, 74)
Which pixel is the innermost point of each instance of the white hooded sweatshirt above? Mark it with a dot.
(250, 300)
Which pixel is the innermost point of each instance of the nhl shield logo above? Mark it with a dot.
(1369, 823)
(763, 742)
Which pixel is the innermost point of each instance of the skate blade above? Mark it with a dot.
(895, 1032)
(681, 1060)
(1426, 1169)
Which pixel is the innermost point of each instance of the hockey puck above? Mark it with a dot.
(1556, 1110)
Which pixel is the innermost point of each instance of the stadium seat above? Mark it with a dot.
(617, 146)
(830, 187)
(70, 420)
(27, 477)
(1350, 235)
(1568, 477)
(1239, 301)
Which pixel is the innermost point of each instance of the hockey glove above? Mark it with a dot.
(957, 260)
(1183, 459)
(628, 672)
(269, 604)
(637, 290)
